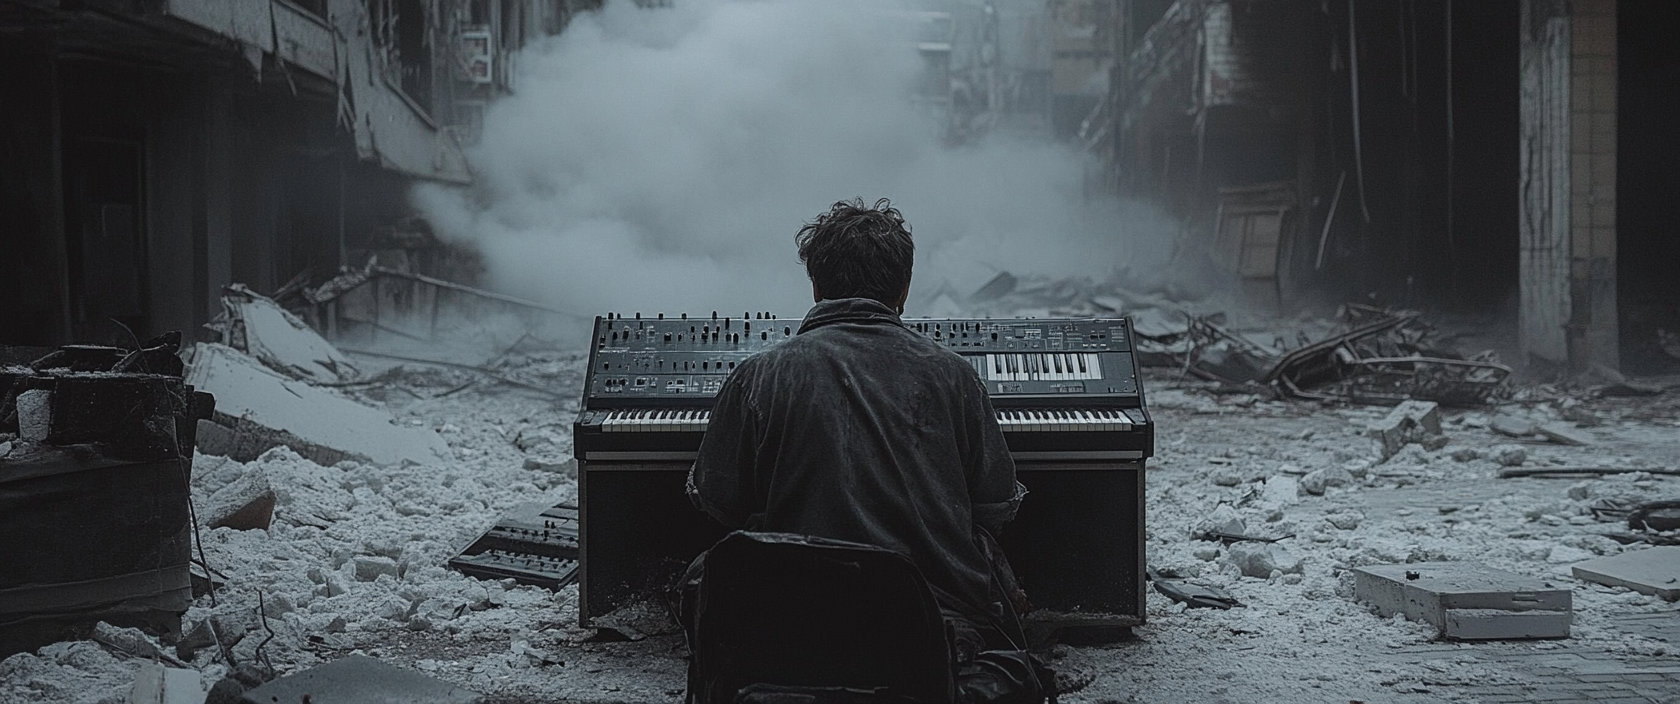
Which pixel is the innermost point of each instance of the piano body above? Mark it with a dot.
(1068, 399)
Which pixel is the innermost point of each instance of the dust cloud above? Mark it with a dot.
(662, 160)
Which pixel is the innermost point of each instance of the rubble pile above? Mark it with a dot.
(1365, 355)
(1260, 509)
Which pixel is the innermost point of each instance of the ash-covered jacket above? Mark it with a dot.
(860, 429)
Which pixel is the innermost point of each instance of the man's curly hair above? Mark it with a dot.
(854, 251)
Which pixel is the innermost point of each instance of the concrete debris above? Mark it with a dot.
(370, 567)
(1410, 422)
(1512, 426)
(1564, 434)
(1347, 519)
(1281, 490)
(246, 503)
(157, 684)
(1466, 600)
(358, 678)
(1261, 559)
(34, 411)
(1510, 455)
(1654, 571)
(131, 641)
(259, 409)
(1224, 519)
(259, 327)
(1316, 481)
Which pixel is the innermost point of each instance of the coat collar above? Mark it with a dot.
(848, 310)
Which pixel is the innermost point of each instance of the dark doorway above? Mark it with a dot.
(105, 236)
(1647, 186)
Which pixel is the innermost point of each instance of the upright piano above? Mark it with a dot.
(1066, 392)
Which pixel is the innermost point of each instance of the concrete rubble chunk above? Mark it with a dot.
(246, 503)
(1409, 422)
(369, 567)
(157, 684)
(34, 411)
(1261, 559)
(258, 409)
(1318, 480)
(1564, 434)
(1224, 519)
(1281, 490)
(1510, 455)
(358, 678)
(1512, 426)
(1654, 571)
(1347, 519)
(1467, 600)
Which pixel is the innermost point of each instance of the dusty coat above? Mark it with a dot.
(860, 429)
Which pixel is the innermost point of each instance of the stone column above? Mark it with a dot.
(1567, 307)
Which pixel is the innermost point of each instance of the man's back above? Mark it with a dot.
(859, 429)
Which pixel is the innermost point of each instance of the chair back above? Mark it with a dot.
(799, 611)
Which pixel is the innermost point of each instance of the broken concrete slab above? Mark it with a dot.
(261, 328)
(1467, 600)
(359, 679)
(1261, 559)
(258, 409)
(369, 567)
(1654, 571)
(246, 503)
(1564, 434)
(1409, 422)
(34, 410)
(157, 684)
(1512, 426)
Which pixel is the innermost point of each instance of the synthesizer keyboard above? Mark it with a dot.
(1062, 388)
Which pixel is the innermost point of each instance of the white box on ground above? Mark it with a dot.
(1654, 571)
(1467, 600)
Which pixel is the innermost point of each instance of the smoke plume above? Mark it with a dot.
(662, 160)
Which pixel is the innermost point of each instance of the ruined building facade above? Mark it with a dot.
(156, 151)
(1507, 155)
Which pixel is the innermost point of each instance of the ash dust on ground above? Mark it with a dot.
(354, 559)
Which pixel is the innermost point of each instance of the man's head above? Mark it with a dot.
(854, 251)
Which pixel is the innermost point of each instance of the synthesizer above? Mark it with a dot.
(1067, 397)
(533, 544)
(1061, 388)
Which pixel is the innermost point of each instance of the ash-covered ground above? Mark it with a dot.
(354, 560)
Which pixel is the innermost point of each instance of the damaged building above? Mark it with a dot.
(156, 152)
(1508, 155)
